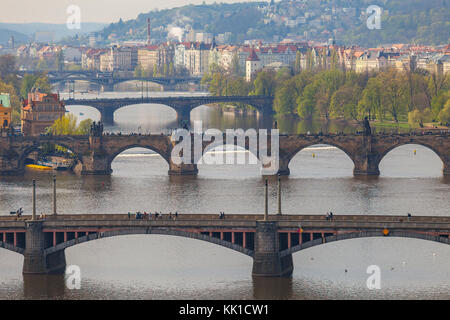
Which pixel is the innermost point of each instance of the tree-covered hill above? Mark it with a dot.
(411, 21)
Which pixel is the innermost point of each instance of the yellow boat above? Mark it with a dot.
(38, 167)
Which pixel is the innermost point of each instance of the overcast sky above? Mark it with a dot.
(105, 11)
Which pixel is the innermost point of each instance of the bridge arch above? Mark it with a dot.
(385, 152)
(132, 105)
(11, 247)
(36, 147)
(366, 234)
(148, 230)
(286, 158)
(137, 145)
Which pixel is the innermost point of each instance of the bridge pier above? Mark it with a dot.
(95, 164)
(366, 167)
(10, 167)
(183, 116)
(267, 261)
(36, 261)
(446, 169)
(283, 169)
(182, 169)
(366, 162)
(107, 115)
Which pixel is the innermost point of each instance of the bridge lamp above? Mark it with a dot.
(279, 195)
(266, 201)
(386, 232)
(54, 195)
(33, 217)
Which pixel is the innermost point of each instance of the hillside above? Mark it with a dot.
(416, 21)
(60, 30)
(5, 35)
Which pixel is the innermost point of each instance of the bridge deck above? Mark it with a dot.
(247, 221)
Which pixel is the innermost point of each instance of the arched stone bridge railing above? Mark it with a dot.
(96, 153)
(182, 105)
(364, 234)
(366, 152)
(141, 231)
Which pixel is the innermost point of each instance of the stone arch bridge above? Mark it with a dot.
(270, 243)
(96, 153)
(108, 81)
(182, 105)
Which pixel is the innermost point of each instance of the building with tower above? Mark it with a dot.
(252, 65)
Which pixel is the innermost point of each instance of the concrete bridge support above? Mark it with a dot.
(183, 116)
(267, 261)
(107, 115)
(36, 261)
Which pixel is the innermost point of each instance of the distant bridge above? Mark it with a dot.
(270, 243)
(108, 81)
(183, 105)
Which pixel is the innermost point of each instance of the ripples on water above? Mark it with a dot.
(164, 267)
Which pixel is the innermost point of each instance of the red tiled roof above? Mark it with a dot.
(252, 56)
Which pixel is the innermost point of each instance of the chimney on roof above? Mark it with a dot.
(148, 31)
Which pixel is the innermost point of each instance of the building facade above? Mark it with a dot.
(40, 111)
(5, 111)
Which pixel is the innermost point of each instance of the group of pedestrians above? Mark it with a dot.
(149, 216)
(329, 216)
(221, 215)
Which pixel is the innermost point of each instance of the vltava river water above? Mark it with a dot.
(164, 267)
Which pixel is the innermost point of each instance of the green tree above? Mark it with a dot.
(265, 84)
(444, 114)
(298, 63)
(235, 68)
(43, 84)
(371, 101)
(84, 127)
(417, 118)
(306, 103)
(344, 102)
(67, 125)
(394, 93)
(285, 98)
(59, 61)
(15, 100)
(7, 65)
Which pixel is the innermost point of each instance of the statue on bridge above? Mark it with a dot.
(96, 129)
(367, 129)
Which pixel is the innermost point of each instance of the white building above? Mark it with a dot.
(253, 64)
